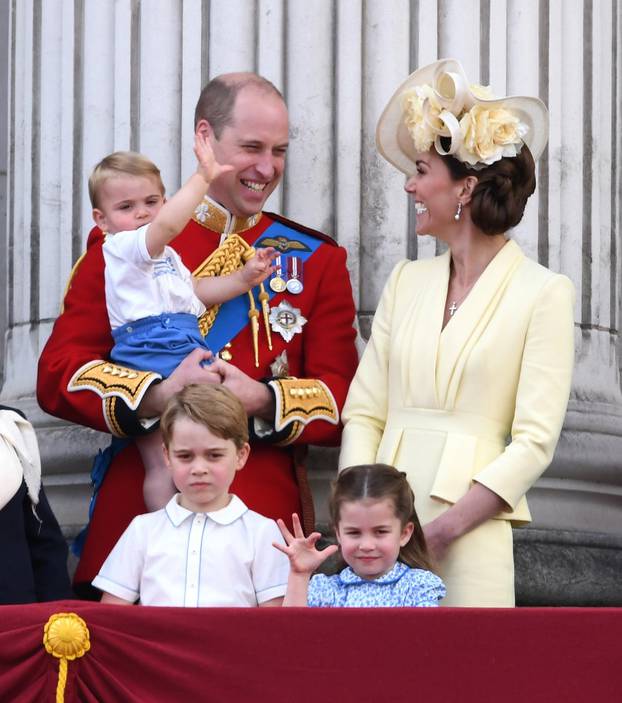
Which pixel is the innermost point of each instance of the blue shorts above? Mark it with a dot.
(158, 343)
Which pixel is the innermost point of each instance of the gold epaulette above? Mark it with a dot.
(111, 380)
(299, 401)
(229, 257)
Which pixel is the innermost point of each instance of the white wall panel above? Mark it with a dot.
(99, 76)
(192, 27)
(160, 87)
(522, 70)
(309, 66)
(122, 88)
(555, 86)
(383, 203)
(231, 36)
(459, 33)
(50, 163)
(347, 110)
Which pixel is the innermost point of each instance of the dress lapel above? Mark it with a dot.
(470, 320)
(419, 312)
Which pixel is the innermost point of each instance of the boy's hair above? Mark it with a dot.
(214, 407)
(376, 482)
(121, 163)
(217, 98)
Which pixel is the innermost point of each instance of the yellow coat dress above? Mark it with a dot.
(481, 400)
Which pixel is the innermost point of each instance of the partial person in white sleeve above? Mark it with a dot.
(465, 380)
(205, 548)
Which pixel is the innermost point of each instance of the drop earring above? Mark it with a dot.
(458, 211)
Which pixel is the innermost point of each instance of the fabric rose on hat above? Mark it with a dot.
(488, 134)
(421, 110)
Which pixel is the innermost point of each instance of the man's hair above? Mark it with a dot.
(217, 99)
(121, 163)
(214, 407)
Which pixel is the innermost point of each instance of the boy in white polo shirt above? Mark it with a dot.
(205, 548)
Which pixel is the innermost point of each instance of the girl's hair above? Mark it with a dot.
(503, 188)
(376, 482)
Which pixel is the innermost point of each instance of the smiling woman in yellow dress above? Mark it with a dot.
(465, 380)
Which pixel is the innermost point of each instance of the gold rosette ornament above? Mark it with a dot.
(66, 637)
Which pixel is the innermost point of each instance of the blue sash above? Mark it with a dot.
(232, 317)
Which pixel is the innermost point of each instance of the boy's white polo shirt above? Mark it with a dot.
(176, 557)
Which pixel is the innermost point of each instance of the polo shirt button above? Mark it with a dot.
(129, 329)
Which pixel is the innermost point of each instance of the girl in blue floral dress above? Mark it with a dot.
(384, 559)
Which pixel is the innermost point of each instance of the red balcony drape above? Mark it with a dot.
(253, 655)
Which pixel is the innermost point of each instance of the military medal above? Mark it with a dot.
(277, 282)
(294, 275)
(286, 320)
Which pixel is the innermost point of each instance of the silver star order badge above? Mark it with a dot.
(286, 320)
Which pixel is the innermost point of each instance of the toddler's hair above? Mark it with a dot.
(212, 406)
(377, 482)
(121, 163)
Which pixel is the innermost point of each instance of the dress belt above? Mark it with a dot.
(448, 421)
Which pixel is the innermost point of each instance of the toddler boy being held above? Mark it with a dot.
(205, 548)
(153, 301)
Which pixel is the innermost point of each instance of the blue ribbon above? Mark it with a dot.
(232, 317)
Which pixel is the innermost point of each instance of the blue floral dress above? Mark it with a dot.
(402, 587)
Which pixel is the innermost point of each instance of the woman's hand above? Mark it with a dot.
(478, 505)
(303, 556)
(438, 539)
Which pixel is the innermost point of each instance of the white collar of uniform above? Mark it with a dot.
(216, 217)
(225, 516)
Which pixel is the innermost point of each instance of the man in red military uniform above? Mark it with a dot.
(287, 350)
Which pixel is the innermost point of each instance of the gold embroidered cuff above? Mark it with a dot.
(302, 400)
(110, 380)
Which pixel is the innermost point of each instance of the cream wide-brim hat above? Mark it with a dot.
(395, 143)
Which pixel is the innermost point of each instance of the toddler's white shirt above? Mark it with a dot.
(138, 286)
(178, 558)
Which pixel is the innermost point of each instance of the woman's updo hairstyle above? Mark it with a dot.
(503, 188)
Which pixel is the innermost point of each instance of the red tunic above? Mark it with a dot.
(272, 483)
